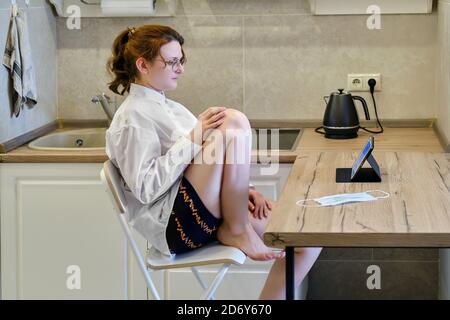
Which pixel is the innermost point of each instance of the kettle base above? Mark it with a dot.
(341, 136)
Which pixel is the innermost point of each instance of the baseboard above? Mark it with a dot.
(314, 123)
(445, 143)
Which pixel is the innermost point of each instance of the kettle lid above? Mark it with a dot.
(341, 92)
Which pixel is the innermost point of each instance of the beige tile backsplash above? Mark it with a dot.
(292, 62)
(269, 59)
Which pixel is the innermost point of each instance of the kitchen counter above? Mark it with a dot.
(393, 139)
(417, 213)
(415, 172)
(400, 152)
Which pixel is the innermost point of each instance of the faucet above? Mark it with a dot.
(105, 101)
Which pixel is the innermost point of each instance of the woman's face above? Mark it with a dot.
(159, 75)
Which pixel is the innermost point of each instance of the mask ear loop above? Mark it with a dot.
(386, 194)
(303, 205)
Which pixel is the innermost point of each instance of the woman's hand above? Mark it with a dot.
(209, 119)
(258, 205)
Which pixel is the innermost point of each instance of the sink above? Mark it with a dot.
(94, 139)
(82, 139)
(285, 139)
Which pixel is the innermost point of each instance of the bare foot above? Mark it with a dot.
(249, 242)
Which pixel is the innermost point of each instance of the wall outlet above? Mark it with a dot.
(358, 82)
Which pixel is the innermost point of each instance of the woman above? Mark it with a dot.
(178, 200)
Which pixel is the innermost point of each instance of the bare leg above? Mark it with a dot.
(274, 287)
(275, 283)
(223, 188)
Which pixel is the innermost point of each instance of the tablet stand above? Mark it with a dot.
(363, 175)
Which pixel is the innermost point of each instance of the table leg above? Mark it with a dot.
(290, 274)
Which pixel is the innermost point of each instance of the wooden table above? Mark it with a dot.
(417, 213)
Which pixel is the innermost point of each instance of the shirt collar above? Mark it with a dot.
(140, 90)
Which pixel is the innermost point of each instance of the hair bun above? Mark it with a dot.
(131, 31)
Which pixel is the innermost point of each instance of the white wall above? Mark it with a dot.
(42, 32)
(443, 121)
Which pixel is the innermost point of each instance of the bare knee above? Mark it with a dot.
(236, 119)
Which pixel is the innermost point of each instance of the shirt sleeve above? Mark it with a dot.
(148, 173)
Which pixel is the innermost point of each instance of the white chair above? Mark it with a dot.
(211, 254)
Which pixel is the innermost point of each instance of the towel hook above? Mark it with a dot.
(14, 8)
(14, 2)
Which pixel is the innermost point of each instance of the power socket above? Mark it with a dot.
(359, 81)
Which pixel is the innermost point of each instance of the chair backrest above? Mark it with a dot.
(112, 181)
(112, 178)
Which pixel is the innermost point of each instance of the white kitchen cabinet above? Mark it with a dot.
(94, 8)
(57, 227)
(56, 218)
(343, 7)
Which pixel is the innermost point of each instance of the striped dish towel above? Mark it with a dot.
(17, 59)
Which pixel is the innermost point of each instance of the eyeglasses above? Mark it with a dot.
(174, 63)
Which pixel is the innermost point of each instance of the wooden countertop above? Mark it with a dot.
(415, 171)
(417, 213)
(412, 139)
(393, 139)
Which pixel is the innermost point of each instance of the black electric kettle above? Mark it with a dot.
(341, 120)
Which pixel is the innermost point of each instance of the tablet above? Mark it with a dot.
(365, 153)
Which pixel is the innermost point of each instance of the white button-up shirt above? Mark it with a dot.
(147, 140)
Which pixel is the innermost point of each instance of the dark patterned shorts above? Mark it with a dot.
(191, 225)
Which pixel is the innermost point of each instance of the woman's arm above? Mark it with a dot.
(147, 172)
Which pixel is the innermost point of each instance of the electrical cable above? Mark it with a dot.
(372, 83)
(317, 130)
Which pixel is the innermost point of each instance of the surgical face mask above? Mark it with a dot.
(338, 199)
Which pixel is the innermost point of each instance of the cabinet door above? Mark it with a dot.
(270, 185)
(59, 236)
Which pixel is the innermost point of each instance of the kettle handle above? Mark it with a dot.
(364, 104)
(325, 99)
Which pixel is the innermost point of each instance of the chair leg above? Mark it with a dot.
(201, 280)
(216, 282)
(166, 284)
(138, 256)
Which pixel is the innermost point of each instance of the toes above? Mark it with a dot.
(278, 255)
(271, 256)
